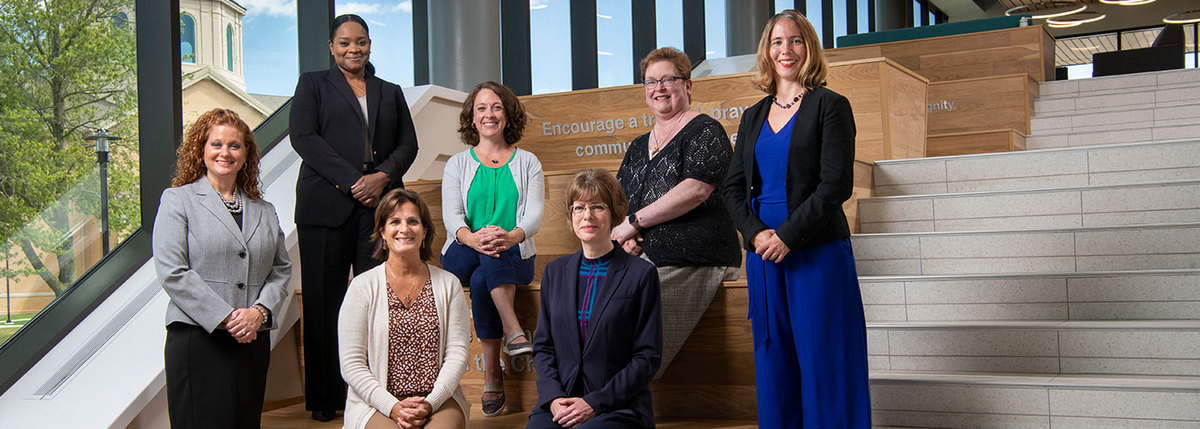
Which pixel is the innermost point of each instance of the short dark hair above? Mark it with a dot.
(596, 184)
(392, 201)
(514, 112)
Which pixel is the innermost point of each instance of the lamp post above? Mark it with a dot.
(7, 292)
(101, 137)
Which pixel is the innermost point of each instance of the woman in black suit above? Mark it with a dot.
(356, 138)
(599, 334)
(791, 171)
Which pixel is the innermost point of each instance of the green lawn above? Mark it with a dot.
(19, 320)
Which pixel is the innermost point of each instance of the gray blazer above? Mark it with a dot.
(208, 266)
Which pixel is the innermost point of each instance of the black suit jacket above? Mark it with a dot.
(820, 171)
(624, 341)
(326, 127)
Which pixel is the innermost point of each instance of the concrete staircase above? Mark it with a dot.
(1045, 288)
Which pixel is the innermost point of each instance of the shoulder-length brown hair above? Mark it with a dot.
(812, 73)
(596, 184)
(189, 158)
(390, 202)
(514, 112)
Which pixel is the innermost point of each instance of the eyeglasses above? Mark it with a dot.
(577, 209)
(666, 82)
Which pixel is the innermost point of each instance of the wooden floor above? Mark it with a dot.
(294, 417)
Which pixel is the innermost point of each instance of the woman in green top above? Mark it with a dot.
(492, 196)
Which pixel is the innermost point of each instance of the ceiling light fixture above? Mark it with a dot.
(1185, 17)
(1075, 20)
(1056, 8)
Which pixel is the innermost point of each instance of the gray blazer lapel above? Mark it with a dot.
(210, 199)
(252, 211)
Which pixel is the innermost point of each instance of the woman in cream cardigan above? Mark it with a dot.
(403, 329)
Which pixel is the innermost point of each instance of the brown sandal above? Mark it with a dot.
(493, 407)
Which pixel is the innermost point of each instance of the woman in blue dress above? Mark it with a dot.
(791, 171)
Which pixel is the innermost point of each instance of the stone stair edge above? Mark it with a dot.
(1095, 381)
(1025, 325)
(885, 162)
(1031, 231)
(992, 276)
(1151, 184)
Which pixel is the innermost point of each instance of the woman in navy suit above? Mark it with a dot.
(791, 171)
(356, 138)
(220, 256)
(599, 334)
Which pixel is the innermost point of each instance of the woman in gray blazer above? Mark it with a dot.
(220, 256)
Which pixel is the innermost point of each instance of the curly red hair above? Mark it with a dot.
(189, 162)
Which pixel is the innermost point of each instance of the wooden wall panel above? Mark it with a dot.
(989, 53)
(981, 104)
(987, 141)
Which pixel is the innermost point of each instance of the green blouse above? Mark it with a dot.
(492, 198)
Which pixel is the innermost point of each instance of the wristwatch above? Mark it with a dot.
(633, 221)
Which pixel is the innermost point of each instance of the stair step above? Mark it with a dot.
(1130, 83)
(905, 399)
(1084, 206)
(1041, 169)
(1113, 295)
(1124, 133)
(1147, 247)
(1183, 114)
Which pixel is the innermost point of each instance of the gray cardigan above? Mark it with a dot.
(527, 173)
(210, 267)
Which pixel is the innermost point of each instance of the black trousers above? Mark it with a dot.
(212, 380)
(327, 256)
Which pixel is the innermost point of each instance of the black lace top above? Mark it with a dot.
(704, 236)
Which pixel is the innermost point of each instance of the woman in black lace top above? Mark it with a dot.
(675, 220)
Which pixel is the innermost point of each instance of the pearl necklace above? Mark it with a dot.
(235, 205)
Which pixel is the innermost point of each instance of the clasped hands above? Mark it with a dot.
(571, 412)
(368, 188)
(243, 324)
(491, 240)
(411, 412)
(768, 245)
(628, 237)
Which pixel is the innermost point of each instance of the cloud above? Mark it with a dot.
(269, 7)
(358, 8)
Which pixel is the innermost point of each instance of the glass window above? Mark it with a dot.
(668, 21)
(550, 45)
(614, 42)
(813, 13)
(229, 47)
(864, 16)
(390, 25)
(839, 17)
(187, 38)
(62, 207)
(916, 13)
(714, 22)
(270, 59)
(782, 5)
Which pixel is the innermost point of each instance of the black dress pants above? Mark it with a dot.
(212, 380)
(327, 255)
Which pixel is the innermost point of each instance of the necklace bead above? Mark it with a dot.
(796, 99)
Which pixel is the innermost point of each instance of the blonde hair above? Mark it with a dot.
(814, 69)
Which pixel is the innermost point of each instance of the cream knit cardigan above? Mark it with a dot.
(363, 344)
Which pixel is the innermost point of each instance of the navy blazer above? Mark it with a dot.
(326, 129)
(624, 341)
(820, 171)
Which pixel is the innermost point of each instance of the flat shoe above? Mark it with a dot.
(493, 407)
(512, 348)
(324, 415)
